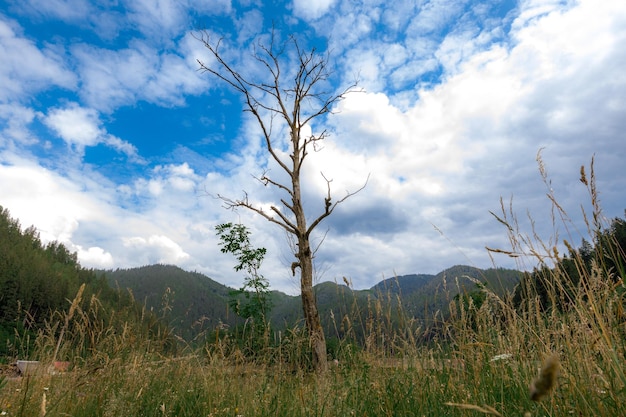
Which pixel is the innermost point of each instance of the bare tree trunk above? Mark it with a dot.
(309, 307)
(305, 257)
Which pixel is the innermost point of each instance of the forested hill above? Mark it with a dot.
(193, 303)
(423, 295)
(38, 283)
(189, 301)
(37, 279)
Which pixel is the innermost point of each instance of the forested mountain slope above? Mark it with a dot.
(194, 303)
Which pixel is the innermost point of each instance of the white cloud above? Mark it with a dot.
(173, 79)
(155, 249)
(473, 138)
(122, 146)
(75, 125)
(113, 78)
(159, 18)
(81, 127)
(28, 189)
(249, 26)
(397, 17)
(433, 16)
(395, 55)
(86, 215)
(16, 120)
(447, 155)
(95, 257)
(25, 69)
(169, 182)
(311, 9)
(66, 10)
(164, 20)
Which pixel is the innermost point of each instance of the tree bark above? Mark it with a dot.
(309, 307)
(304, 255)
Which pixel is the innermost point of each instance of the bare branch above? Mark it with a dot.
(247, 88)
(265, 180)
(292, 228)
(290, 207)
(234, 204)
(329, 206)
(320, 242)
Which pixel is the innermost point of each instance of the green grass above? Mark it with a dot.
(192, 386)
(481, 361)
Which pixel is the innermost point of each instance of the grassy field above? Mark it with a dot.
(489, 359)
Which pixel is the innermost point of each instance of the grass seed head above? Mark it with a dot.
(543, 384)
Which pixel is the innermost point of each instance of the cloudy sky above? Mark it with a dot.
(113, 143)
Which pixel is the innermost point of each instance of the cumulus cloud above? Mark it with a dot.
(75, 125)
(439, 162)
(94, 257)
(155, 249)
(85, 209)
(475, 136)
(27, 188)
(168, 182)
(311, 10)
(81, 127)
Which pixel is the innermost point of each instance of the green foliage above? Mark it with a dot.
(235, 239)
(256, 303)
(556, 287)
(35, 279)
(471, 302)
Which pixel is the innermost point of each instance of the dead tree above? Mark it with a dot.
(297, 98)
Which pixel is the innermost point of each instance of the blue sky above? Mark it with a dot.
(113, 143)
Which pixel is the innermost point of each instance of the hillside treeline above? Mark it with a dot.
(36, 278)
(556, 287)
(38, 283)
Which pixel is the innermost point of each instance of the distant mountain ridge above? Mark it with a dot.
(192, 302)
(188, 301)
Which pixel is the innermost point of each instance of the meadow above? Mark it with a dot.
(489, 354)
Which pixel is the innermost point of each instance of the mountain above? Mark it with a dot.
(423, 295)
(192, 302)
(188, 301)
